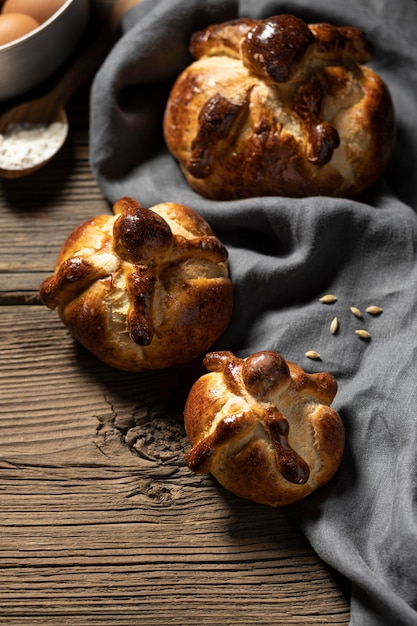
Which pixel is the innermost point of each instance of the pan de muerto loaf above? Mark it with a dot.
(279, 107)
(263, 427)
(143, 288)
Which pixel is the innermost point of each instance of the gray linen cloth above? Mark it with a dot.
(285, 254)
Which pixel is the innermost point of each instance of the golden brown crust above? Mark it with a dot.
(279, 107)
(143, 288)
(264, 427)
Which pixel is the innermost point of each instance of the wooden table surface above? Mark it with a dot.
(100, 520)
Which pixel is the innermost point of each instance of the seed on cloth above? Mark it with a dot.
(312, 354)
(334, 325)
(373, 310)
(363, 334)
(356, 312)
(328, 298)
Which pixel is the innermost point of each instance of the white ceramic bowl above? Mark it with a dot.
(28, 61)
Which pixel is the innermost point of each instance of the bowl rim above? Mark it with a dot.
(20, 40)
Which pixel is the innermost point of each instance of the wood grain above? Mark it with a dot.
(100, 520)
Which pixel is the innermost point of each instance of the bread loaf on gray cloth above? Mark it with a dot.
(279, 107)
(284, 254)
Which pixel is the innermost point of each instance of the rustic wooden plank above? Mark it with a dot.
(88, 559)
(20, 287)
(38, 214)
(101, 522)
(35, 225)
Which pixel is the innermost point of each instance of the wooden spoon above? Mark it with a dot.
(50, 108)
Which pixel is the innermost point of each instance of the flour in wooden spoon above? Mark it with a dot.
(25, 145)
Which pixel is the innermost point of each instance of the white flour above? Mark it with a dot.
(25, 145)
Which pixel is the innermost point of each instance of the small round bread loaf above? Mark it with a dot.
(143, 288)
(277, 107)
(263, 427)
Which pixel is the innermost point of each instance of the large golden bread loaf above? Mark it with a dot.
(263, 427)
(278, 107)
(143, 288)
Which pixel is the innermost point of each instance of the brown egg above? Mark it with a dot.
(40, 10)
(15, 25)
